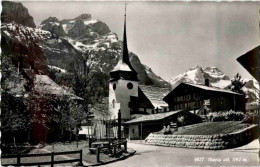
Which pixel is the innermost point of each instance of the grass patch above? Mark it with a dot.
(83, 145)
(211, 128)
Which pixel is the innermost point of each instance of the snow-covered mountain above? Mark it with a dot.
(217, 78)
(60, 43)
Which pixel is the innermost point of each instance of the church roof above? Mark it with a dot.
(121, 66)
(124, 64)
(153, 117)
(155, 95)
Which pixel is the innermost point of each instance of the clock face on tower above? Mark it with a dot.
(129, 85)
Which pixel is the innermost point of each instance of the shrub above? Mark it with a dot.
(228, 116)
(166, 131)
(250, 118)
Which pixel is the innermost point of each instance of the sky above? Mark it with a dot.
(172, 37)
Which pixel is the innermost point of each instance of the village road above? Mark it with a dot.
(157, 156)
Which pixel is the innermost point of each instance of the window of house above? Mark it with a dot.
(133, 130)
(152, 111)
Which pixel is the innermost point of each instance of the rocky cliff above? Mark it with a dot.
(16, 12)
(94, 39)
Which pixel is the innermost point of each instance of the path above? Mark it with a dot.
(158, 156)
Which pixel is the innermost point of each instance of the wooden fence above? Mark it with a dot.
(52, 162)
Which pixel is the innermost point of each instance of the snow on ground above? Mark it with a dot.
(221, 84)
(54, 23)
(84, 47)
(65, 28)
(214, 72)
(87, 22)
(57, 68)
(22, 33)
(112, 38)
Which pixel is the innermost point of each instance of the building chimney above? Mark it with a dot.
(206, 82)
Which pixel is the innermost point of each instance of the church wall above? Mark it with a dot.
(121, 95)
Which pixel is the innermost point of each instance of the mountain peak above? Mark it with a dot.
(50, 19)
(197, 75)
(16, 12)
(196, 67)
(84, 16)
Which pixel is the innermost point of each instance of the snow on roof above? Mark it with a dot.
(155, 95)
(121, 66)
(45, 85)
(212, 88)
(152, 117)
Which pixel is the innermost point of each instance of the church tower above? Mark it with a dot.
(123, 83)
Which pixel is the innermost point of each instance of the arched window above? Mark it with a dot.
(113, 103)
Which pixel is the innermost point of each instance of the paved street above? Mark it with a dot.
(153, 156)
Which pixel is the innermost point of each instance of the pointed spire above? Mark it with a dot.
(125, 48)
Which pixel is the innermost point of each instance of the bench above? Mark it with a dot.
(112, 148)
(103, 146)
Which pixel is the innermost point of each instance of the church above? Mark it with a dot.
(126, 94)
(142, 107)
(146, 109)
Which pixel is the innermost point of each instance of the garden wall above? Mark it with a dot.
(211, 142)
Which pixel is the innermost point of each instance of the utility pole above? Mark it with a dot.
(119, 125)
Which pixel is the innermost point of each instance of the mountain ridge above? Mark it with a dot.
(64, 42)
(218, 79)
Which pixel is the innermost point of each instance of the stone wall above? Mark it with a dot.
(211, 142)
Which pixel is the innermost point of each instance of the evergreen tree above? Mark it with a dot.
(237, 84)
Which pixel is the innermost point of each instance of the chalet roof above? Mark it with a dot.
(155, 95)
(153, 117)
(212, 88)
(45, 85)
(250, 61)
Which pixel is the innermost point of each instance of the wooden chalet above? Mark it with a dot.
(141, 127)
(192, 96)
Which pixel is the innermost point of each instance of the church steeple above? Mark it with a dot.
(125, 56)
(124, 69)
